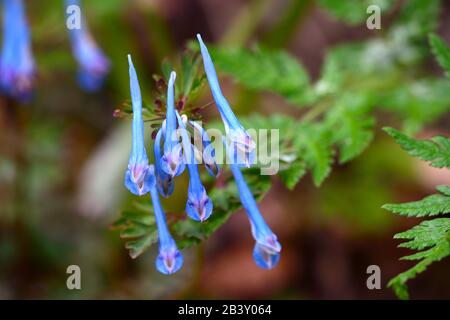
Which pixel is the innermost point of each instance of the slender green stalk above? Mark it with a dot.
(280, 35)
(245, 23)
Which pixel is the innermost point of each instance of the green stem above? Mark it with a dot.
(315, 112)
(244, 25)
(285, 28)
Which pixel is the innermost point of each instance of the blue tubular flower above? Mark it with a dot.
(267, 248)
(169, 259)
(164, 182)
(16, 60)
(93, 64)
(208, 152)
(239, 142)
(139, 177)
(198, 206)
(172, 161)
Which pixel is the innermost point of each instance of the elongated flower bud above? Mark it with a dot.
(267, 248)
(169, 259)
(93, 64)
(198, 206)
(239, 143)
(139, 177)
(172, 161)
(17, 67)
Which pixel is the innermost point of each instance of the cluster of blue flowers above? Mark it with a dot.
(17, 66)
(178, 153)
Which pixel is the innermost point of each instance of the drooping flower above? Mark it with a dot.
(17, 67)
(266, 252)
(238, 141)
(164, 182)
(169, 259)
(198, 205)
(93, 64)
(172, 161)
(208, 152)
(139, 177)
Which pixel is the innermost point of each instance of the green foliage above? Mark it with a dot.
(419, 18)
(436, 150)
(315, 143)
(441, 51)
(356, 79)
(429, 206)
(303, 147)
(293, 173)
(418, 102)
(431, 238)
(353, 126)
(264, 69)
(354, 12)
(137, 227)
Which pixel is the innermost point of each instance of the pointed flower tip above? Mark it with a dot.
(199, 37)
(173, 76)
(130, 62)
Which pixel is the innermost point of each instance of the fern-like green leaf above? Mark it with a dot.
(316, 146)
(302, 147)
(434, 235)
(292, 175)
(264, 69)
(351, 125)
(436, 150)
(137, 225)
(441, 51)
(431, 238)
(430, 206)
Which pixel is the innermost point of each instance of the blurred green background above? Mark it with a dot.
(62, 160)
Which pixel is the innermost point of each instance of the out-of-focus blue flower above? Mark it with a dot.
(198, 205)
(93, 64)
(139, 177)
(208, 152)
(164, 182)
(169, 259)
(267, 248)
(172, 161)
(239, 142)
(16, 61)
